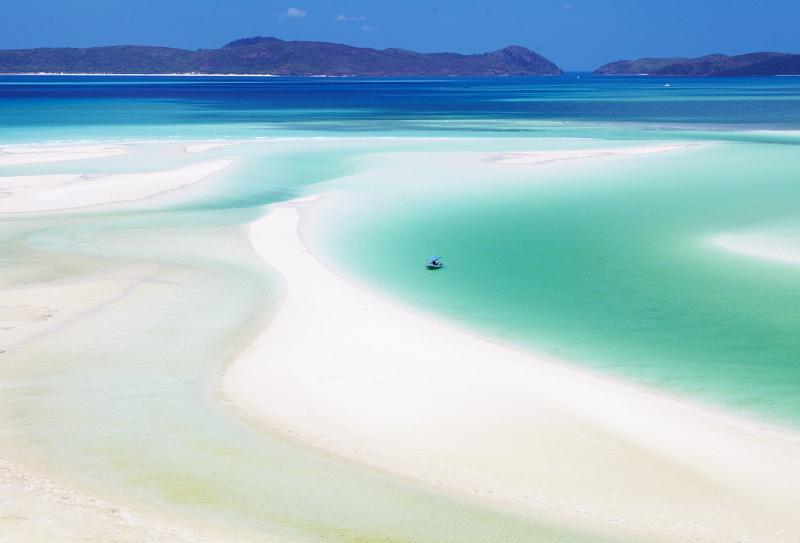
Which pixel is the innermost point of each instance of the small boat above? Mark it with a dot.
(667, 85)
(434, 263)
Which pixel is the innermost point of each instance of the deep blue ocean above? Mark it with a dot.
(320, 104)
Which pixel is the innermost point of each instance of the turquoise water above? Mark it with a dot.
(606, 264)
(603, 262)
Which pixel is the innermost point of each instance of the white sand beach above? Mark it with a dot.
(365, 379)
(529, 158)
(37, 193)
(33, 154)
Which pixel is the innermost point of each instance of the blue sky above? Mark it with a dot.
(576, 34)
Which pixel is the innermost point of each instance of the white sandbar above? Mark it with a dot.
(346, 371)
(36, 193)
(527, 158)
(34, 154)
(203, 147)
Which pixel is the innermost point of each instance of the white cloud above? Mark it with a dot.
(295, 12)
(368, 28)
(344, 18)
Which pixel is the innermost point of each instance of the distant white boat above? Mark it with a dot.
(667, 85)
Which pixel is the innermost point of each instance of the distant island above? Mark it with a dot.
(275, 57)
(710, 65)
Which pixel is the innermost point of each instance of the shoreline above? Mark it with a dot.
(565, 73)
(315, 76)
(178, 74)
(398, 391)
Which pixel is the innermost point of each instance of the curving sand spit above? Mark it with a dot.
(346, 371)
(33, 154)
(36, 193)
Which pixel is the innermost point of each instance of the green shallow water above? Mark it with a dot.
(605, 262)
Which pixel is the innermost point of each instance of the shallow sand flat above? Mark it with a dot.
(769, 246)
(351, 373)
(543, 157)
(33, 154)
(31, 311)
(37, 193)
(35, 509)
